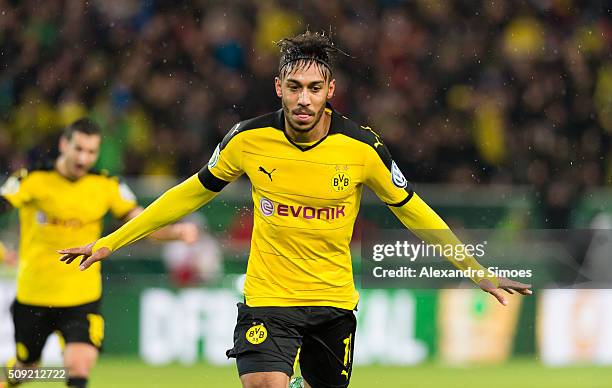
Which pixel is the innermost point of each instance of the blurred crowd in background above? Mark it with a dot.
(463, 91)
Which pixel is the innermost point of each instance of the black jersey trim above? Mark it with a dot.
(210, 181)
(364, 134)
(281, 124)
(264, 121)
(347, 127)
(404, 201)
(305, 148)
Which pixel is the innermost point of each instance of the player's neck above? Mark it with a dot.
(62, 169)
(315, 134)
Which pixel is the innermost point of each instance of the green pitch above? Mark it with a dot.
(114, 372)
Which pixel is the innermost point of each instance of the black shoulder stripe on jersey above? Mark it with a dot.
(210, 181)
(347, 127)
(404, 201)
(367, 135)
(5, 205)
(267, 120)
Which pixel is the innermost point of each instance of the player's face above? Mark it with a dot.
(80, 153)
(304, 93)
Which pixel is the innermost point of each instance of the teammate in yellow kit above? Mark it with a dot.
(307, 165)
(64, 204)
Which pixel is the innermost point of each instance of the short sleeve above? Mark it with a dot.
(225, 165)
(17, 189)
(123, 199)
(384, 177)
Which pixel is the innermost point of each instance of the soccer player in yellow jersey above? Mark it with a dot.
(64, 204)
(307, 165)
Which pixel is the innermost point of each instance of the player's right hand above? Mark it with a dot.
(89, 257)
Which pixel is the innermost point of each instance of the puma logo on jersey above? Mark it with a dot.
(376, 135)
(269, 174)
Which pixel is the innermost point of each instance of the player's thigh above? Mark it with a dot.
(326, 357)
(264, 380)
(265, 340)
(33, 324)
(81, 324)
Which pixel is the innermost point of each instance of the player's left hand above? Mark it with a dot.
(510, 286)
(89, 257)
(187, 232)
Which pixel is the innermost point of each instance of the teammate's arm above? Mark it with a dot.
(14, 193)
(2, 252)
(384, 177)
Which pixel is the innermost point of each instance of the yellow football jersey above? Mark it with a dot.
(54, 213)
(306, 200)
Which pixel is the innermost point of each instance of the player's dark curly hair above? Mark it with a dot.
(301, 51)
(84, 125)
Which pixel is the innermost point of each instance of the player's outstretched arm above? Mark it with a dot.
(417, 216)
(187, 232)
(12, 195)
(171, 206)
(385, 178)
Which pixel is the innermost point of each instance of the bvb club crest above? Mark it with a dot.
(341, 180)
(257, 334)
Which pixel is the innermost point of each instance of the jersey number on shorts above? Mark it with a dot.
(347, 354)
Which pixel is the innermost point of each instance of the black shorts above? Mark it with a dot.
(272, 339)
(33, 324)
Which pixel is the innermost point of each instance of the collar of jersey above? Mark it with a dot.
(48, 164)
(281, 125)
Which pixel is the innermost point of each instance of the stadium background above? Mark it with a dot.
(499, 111)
